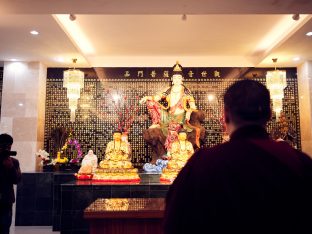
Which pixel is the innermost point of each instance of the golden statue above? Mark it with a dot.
(116, 153)
(178, 156)
(117, 165)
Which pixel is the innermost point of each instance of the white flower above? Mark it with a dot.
(44, 155)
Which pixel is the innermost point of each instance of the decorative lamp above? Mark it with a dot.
(276, 83)
(73, 81)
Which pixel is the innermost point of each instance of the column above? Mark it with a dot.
(304, 74)
(23, 109)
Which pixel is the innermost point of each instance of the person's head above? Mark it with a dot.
(117, 135)
(182, 135)
(6, 141)
(246, 102)
(90, 152)
(177, 75)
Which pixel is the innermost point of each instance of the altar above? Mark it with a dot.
(60, 200)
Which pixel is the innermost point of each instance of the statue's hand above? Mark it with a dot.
(144, 99)
(188, 116)
(164, 157)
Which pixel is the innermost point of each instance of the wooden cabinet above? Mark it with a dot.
(126, 216)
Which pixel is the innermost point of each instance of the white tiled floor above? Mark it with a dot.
(32, 230)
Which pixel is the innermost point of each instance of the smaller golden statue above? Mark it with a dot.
(116, 154)
(117, 165)
(180, 152)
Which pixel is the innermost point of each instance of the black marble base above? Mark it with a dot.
(34, 200)
(37, 197)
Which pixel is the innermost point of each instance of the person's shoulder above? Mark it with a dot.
(14, 160)
(287, 149)
(215, 149)
(213, 152)
(286, 146)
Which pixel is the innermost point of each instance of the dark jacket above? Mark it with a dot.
(250, 184)
(8, 177)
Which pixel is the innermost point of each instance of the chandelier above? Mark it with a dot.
(73, 81)
(276, 83)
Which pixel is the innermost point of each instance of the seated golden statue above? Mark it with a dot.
(178, 155)
(117, 165)
(116, 153)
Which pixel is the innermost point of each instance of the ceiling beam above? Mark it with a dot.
(156, 7)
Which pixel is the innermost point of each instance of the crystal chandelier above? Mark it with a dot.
(73, 81)
(276, 83)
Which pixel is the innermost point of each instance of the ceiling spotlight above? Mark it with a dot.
(296, 17)
(296, 58)
(13, 59)
(184, 17)
(72, 17)
(34, 32)
(59, 59)
(309, 34)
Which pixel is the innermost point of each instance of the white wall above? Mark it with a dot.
(23, 109)
(305, 105)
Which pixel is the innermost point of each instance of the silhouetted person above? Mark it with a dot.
(9, 174)
(250, 184)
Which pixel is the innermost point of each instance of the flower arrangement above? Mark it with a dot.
(44, 156)
(62, 139)
(125, 108)
(74, 142)
(59, 136)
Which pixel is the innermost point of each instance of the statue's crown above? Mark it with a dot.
(177, 67)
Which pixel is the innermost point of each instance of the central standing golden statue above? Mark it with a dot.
(117, 165)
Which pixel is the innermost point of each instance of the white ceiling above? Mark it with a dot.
(144, 33)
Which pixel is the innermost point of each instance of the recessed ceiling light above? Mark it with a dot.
(13, 60)
(34, 32)
(59, 59)
(20, 104)
(309, 34)
(296, 58)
